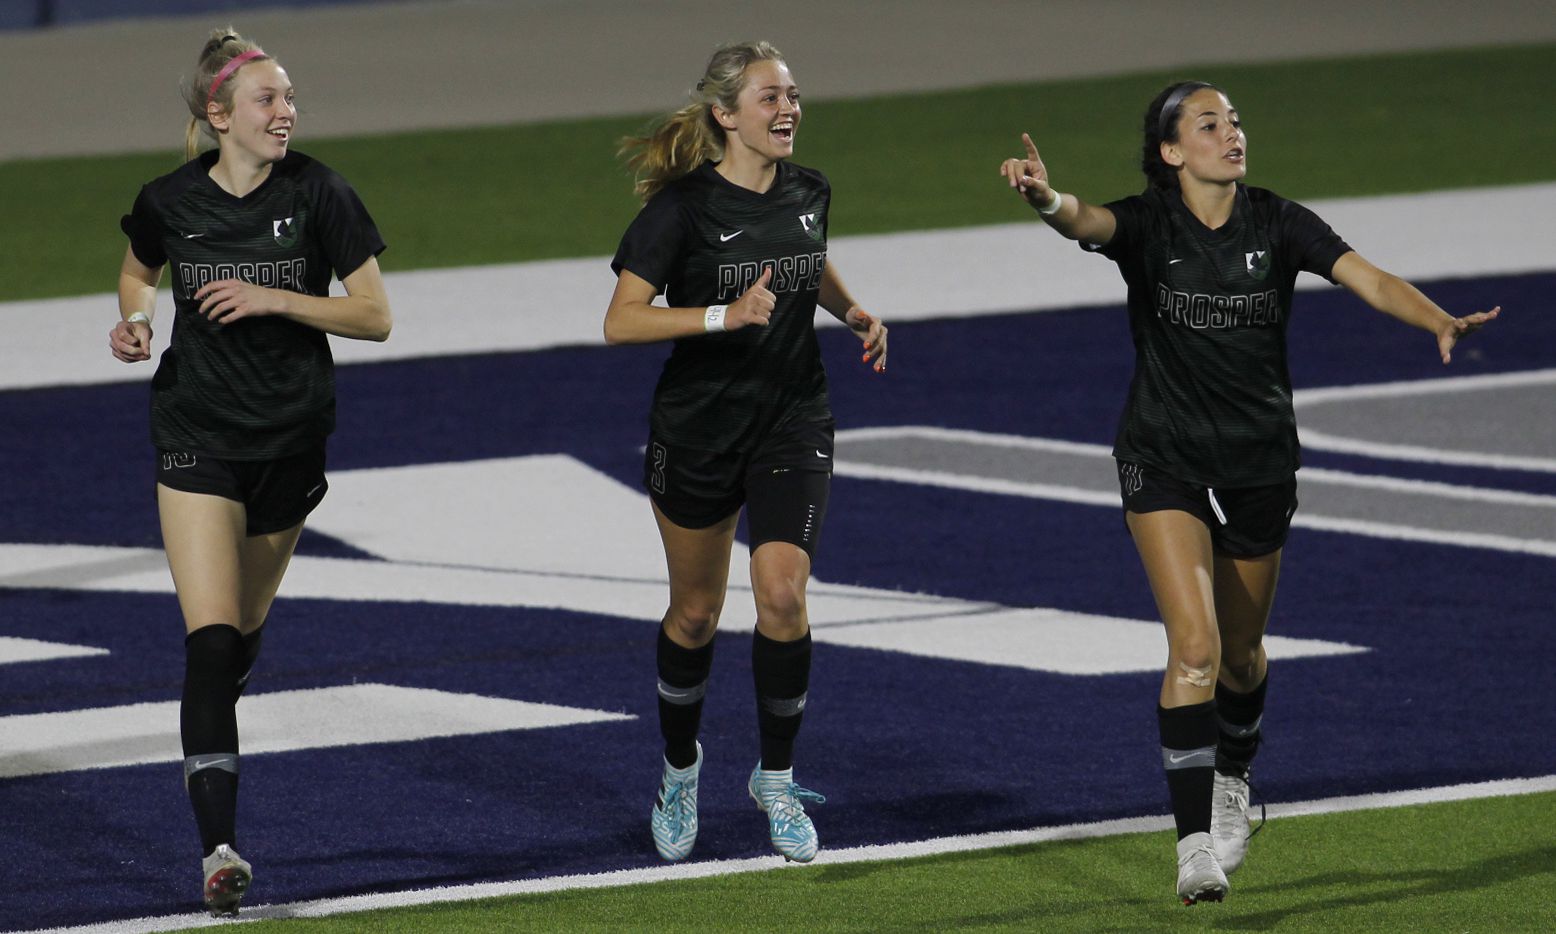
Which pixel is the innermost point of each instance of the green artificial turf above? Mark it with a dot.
(1487, 865)
(1325, 128)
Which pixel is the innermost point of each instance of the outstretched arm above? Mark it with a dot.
(1392, 295)
(1067, 214)
(836, 300)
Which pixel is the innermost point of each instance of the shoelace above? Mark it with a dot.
(787, 802)
(1263, 811)
(671, 799)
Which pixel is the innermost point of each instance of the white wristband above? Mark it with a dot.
(1053, 206)
(138, 317)
(714, 319)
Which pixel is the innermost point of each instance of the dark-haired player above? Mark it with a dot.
(1207, 446)
(735, 237)
(244, 397)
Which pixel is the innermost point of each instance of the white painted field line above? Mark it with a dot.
(874, 853)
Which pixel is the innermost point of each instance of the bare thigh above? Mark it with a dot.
(1179, 562)
(222, 576)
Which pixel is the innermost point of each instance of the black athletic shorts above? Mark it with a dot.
(1244, 522)
(784, 484)
(276, 494)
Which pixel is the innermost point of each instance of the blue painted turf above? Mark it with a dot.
(1446, 696)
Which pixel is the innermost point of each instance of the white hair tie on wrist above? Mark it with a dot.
(1053, 205)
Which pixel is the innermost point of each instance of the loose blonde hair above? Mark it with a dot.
(691, 136)
(222, 47)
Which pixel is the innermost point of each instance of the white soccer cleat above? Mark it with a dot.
(1200, 878)
(227, 877)
(1229, 831)
(674, 820)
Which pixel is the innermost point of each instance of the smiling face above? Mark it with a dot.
(768, 116)
(1211, 145)
(263, 114)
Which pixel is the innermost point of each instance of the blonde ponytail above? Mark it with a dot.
(687, 138)
(219, 50)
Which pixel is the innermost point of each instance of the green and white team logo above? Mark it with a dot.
(1258, 263)
(286, 230)
(812, 225)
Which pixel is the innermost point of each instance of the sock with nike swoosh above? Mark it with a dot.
(215, 660)
(1189, 737)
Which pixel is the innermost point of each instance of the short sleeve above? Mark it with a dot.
(652, 246)
(144, 229)
(346, 232)
(1130, 216)
(1310, 244)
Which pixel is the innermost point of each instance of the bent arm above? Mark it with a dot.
(632, 318)
(1077, 220)
(137, 286)
(361, 314)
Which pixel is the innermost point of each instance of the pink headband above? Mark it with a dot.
(227, 70)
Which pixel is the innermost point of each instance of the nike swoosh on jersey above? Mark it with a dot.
(725, 238)
(192, 236)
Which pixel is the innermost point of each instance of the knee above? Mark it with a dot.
(780, 609)
(1240, 662)
(1194, 662)
(692, 622)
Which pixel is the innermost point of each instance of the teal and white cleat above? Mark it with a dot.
(227, 877)
(674, 821)
(793, 835)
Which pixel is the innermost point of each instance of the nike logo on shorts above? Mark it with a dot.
(725, 238)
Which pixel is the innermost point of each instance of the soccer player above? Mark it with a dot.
(1207, 446)
(734, 235)
(244, 396)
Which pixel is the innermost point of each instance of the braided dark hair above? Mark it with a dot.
(1161, 126)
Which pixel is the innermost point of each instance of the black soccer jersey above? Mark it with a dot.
(1210, 402)
(261, 387)
(703, 240)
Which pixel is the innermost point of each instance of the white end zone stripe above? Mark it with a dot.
(281, 721)
(16, 649)
(862, 854)
(957, 273)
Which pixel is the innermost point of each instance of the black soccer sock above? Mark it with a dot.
(782, 674)
(208, 723)
(1189, 757)
(683, 682)
(1238, 717)
(250, 656)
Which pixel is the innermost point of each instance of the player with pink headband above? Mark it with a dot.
(244, 396)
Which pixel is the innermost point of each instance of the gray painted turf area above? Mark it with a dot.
(112, 86)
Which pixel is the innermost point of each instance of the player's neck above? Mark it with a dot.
(238, 176)
(1210, 202)
(747, 169)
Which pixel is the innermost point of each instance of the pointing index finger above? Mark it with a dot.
(1031, 146)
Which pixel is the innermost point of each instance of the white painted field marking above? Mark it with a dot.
(282, 721)
(1311, 403)
(962, 272)
(551, 532)
(970, 843)
(16, 649)
(1103, 492)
